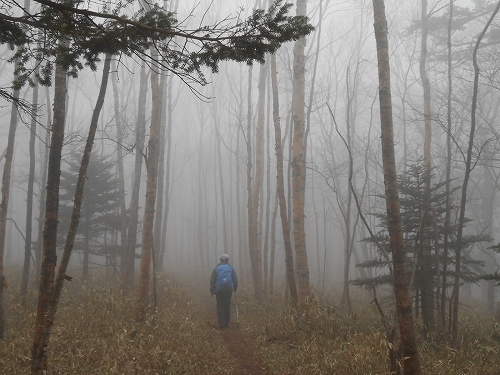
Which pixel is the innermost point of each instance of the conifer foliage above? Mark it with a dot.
(99, 221)
(116, 28)
(412, 187)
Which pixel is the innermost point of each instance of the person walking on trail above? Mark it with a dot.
(222, 283)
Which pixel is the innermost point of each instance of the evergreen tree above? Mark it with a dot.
(412, 190)
(100, 218)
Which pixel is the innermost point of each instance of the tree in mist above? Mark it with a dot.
(4, 203)
(299, 164)
(415, 197)
(128, 258)
(50, 286)
(100, 216)
(424, 256)
(468, 168)
(404, 312)
(255, 243)
(119, 160)
(84, 36)
(280, 187)
(152, 162)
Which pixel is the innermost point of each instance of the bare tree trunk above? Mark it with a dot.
(158, 223)
(151, 188)
(280, 188)
(447, 218)
(201, 245)
(346, 298)
(53, 300)
(128, 260)
(265, 251)
(168, 154)
(49, 257)
(401, 274)
(225, 235)
(29, 195)
(254, 242)
(43, 191)
(426, 276)
(119, 163)
(4, 204)
(463, 200)
(299, 163)
(272, 256)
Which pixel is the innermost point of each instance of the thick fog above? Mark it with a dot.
(206, 155)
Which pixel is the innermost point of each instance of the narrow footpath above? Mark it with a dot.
(237, 341)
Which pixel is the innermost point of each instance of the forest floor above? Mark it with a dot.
(237, 341)
(96, 333)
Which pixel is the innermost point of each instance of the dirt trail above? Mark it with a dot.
(238, 342)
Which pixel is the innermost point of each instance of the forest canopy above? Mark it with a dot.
(95, 28)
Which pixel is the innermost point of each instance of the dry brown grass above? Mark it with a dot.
(331, 341)
(95, 333)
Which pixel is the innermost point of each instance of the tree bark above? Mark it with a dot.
(401, 275)
(280, 187)
(49, 257)
(119, 162)
(168, 153)
(151, 188)
(254, 239)
(29, 195)
(4, 204)
(447, 218)
(53, 301)
(299, 163)
(128, 260)
(425, 274)
(158, 223)
(43, 191)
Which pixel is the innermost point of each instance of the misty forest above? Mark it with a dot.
(342, 153)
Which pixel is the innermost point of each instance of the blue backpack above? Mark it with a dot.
(224, 276)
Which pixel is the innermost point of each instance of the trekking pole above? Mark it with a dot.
(237, 313)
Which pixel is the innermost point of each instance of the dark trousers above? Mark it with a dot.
(223, 297)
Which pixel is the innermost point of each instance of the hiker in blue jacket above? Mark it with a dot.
(222, 283)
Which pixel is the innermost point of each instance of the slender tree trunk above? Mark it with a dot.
(53, 300)
(272, 256)
(280, 188)
(4, 204)
(49, 257)
(119, 163)
(29, 195)
(346, 297)
(43, 191)
(168, 154)
(200, 235)
(128, 261)
(447, 219)
(254, 242)
(265, 251)
(426, 276)
(158, 224)
(463, 200)
(225, 235)
(401, 274)
(299, 163)
(151, 188)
